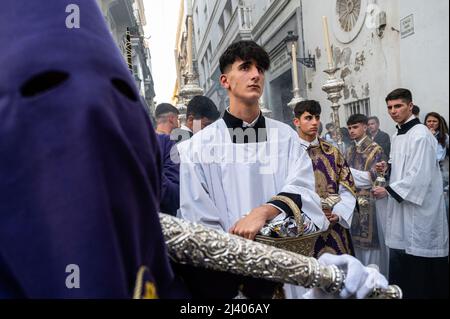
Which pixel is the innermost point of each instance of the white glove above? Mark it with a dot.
(360, 281)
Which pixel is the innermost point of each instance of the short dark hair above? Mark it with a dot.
(357, 119)
(375, 118)
(403, 94)
(329, 126)
(416, 110)
(165, 108)
(311, 106)
(246, 51)
(202, 106)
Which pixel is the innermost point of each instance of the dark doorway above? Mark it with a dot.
(281, 95)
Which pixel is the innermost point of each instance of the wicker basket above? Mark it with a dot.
(303, 245)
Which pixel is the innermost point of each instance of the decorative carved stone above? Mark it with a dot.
(348, 12)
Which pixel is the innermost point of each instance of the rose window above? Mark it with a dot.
(348, 12)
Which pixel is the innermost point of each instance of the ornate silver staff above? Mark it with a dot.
(207, 248)
(333, 86)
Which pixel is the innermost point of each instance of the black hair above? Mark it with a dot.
(202, 106)
(329, 126)
(376, 119)
(357, 119)
(403, 94)
(416, 110)
(246, 51)
(311, 106)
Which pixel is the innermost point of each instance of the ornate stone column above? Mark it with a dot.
(191, 87)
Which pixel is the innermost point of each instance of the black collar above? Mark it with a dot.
(402, 130)
(234, 123)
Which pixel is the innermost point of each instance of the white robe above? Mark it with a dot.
(419, 224)
(221, 182)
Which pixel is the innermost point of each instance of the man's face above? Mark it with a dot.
(244, 80)
(174, 120)
(400, 111)
(308, 125)
(200, 124)
(357, 131)
(373, 126)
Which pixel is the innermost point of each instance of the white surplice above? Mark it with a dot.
(419, 224)
(221, 182)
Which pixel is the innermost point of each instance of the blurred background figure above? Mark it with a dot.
(346, 139)
(378, 136)
(201, 112)
(167, 118)
(330, 135)
(439, 128)
(170, 186)
(416, 111)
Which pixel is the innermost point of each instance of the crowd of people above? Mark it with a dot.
(85, 174)
(390, 213)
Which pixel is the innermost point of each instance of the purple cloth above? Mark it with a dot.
(331, 172)
(364, 225)
(170, 191)
(79, 161)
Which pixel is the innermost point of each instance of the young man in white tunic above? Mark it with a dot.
(244, 170)
(417, 226)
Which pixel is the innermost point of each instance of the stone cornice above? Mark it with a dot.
(267, 18)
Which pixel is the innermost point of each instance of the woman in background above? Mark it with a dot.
(438, 126)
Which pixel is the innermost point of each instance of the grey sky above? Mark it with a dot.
(162, 18)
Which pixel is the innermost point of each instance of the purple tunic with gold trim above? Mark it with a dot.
(331, 172)
(364, 226)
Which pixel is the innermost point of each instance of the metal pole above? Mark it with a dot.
(333, 88)
(296, 90)
(203, 247)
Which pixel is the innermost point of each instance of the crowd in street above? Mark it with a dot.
(85, 174)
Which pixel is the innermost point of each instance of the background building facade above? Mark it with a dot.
(126, 19)
(379, 45)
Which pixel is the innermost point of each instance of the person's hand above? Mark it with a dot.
(249, 226)
(381, 167)
(379, 192)
(333, 219)
(360, 281)
(327, 212)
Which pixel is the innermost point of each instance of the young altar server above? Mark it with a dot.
(367, 225)
(417, 225)
(245, 169)
(332, 177)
